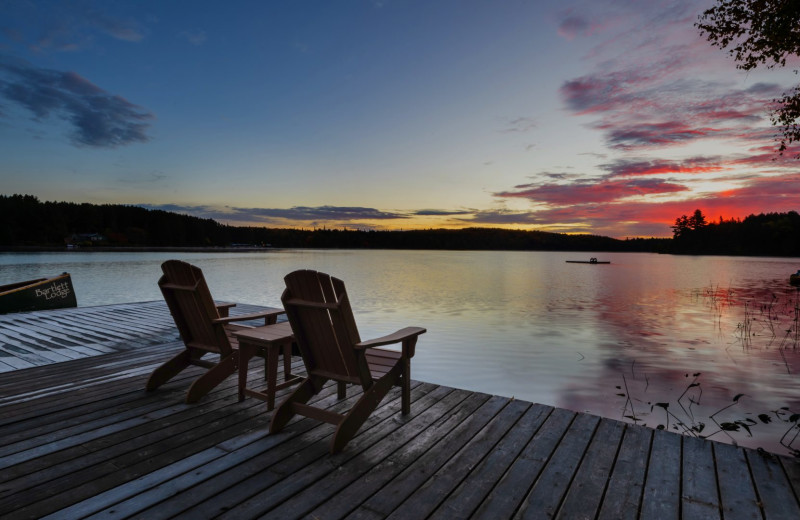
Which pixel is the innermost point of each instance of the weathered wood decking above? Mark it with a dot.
(39, 338)
(81, 438)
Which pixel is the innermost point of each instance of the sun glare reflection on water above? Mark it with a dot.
(623, 340)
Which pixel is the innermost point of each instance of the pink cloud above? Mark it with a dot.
(574, 211)
(636, 109)
(658, 84)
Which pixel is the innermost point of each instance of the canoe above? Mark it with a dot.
(39, 294)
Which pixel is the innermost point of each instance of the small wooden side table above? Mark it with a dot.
(267, 341)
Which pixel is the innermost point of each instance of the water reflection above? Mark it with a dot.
(530, 325)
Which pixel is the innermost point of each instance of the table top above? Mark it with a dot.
(266, 334)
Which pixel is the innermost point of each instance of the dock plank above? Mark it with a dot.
(305, 464)
(662, 492)
(736, 490)
(474, 488)
(427, 498)
(377, 477)
(700, 494)
(624, 493)
(418, 462)
(509, 492)
(81, 438)
(188, 476)
(546, 495)
(773, 487)
(585, 494)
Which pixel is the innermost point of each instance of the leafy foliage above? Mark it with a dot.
(770, 234)
(684, 223)
(760, 32)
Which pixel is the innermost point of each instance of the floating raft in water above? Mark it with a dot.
(591, 261)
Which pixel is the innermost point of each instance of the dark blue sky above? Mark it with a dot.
(608, 117)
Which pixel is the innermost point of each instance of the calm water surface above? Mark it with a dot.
(660, 340)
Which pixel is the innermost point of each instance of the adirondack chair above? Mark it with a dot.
(204, 327)
(326, 335)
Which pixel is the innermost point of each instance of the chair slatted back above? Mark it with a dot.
(189, 300)
(322, 320)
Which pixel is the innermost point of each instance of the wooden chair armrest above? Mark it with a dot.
(407, 336)
(313, 305)
(252, 316)
(223, 308)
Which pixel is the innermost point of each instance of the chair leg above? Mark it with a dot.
(405, 386)
(271, 366)
(169, 370)
(287, 361)
(361, 411)
(215, 375)
(284, 412)
(245, 354)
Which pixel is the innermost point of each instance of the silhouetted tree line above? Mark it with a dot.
(770, 234)
(28, 222)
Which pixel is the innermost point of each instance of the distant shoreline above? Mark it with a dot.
(136, 249)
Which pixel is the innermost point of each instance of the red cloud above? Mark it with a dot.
(597, 209)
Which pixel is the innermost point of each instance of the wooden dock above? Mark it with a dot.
(80, 438)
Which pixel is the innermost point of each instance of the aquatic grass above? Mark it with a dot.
(744, 328)
(628, 401)
(787, 441)
(689, 426)
(761, 318)
(683, 419)
(718, 300)
(768, 312)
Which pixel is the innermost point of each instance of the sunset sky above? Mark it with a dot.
(610, 117)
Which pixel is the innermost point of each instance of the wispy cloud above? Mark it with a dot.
(195, 36)
(519, 124)
(74, 29)
(122, 29)
(644, 167)
(98, 118)
(573, 24)
(441, 212)
(636, 110)
(652, 85)
(322, 213)
(298, 215)
(503, 217)
(146, 179)
(653, 91)
(591, 192)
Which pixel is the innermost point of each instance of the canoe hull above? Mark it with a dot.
(35, 295)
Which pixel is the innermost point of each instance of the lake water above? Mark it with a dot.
(660, 340)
